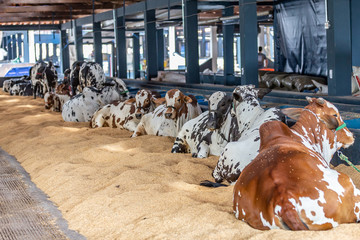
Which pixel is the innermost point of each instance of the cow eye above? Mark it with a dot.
(178, 100)
(335, 115)
(223, 104)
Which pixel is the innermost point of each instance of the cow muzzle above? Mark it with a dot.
(213, 121)
(170, 112)
(138, 115)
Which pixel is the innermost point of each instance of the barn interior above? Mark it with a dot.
(197, 46)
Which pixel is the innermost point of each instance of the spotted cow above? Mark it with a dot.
(290, 184)
(48, 77)
(250, 116)
(86, 74)
(81, 107)
(209, 132)
(125, 115)
(168, 119)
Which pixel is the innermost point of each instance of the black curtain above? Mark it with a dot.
(301, 37)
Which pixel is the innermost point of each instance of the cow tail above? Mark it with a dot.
(290, 217)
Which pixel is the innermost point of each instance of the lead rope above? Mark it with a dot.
(341, 155)
(346, 159)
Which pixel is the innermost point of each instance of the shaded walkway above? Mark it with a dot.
(25, 211)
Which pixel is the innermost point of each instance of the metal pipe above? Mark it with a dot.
(327, 22)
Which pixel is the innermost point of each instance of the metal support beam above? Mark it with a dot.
(19, 41)
(26, 47)
(191, 42)
(41, 53)
(136, 55)
(228, 33)
(276, 42)
(97, 43)
(47, 52)
(78, 42)
(355, 32)
(248, 34)
(54, 57)
(120, 40)
(203, 43)
(9, 48)
(339, 48)
(14, 43)
(150, 48)
(64, 51)
(160, 49)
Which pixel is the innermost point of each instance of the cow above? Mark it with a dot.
(20, 87)
(47, 75)
(168, 119)
(27, 90)
(86, 74)
(81, 107)
(55, 101)
(209, 132)
(250, 116)
(125, 115)
(290, 184)
(36, 81)
(8, 84)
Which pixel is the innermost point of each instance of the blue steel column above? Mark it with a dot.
(248, 34)
(228, 33)
(64, 51)
(19, 41)
(191, 42)
(276, 42)
(160, 49)
(54, 58)
(120, 40)
(10, 52)
(97, 42)
(14, 43)
(78, 42)
(151, 46)
(203, 43)
(355, 32)
(47, 52)
(136, 55)
(41, 53)
(339, 48)
(26, 47)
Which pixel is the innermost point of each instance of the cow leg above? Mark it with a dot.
(140, 130)
(180, 146)
(35, 90)
(203, 150)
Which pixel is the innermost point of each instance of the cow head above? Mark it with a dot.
(175, 103)
(249, 94)
(145, 102)
(219, 106)
(330, 116)
(63, 89)
(49, 100)
(67, 76)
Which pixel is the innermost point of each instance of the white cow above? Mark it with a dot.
(167, 120)
(250, 116)
(209, 132)
(81, 107)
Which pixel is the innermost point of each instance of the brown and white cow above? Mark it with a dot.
(125, 115)
(168, 119)
(290, 184)
(55, 101)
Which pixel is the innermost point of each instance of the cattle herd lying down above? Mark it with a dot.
(281, 175)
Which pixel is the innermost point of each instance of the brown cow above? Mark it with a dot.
(290, 185)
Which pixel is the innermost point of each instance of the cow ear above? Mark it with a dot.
(159, 101)
(293, 113)
(188, 99)
(130, 101)
(330, 121)
(262, 92)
